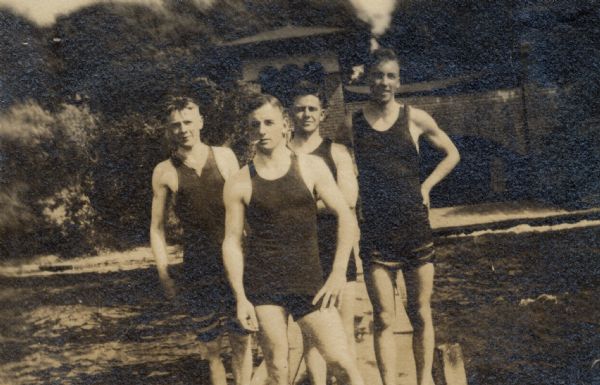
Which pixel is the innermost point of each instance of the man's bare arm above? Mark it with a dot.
(227, 161)
(333, 198)
(233, 257)
(160, 192)
(346, 176)
(440, 141)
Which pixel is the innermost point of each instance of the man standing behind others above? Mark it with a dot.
(308, 111)
(196, 174)
(280, 274)
(395, 233)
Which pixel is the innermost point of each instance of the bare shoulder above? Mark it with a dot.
(239, 184)
(313, 168)
(164, 172)
(422, 119)
(310, 162)
(226, 161)
(339, 152)
(224, 153)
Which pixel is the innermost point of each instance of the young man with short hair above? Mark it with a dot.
(196, 174)
(278, 273)
(395, 233)
(308, 110)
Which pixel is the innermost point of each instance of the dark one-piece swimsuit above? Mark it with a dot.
(395, 229)
(282, 265)
(200, 209)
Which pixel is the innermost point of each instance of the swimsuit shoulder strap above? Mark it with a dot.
(252, 169)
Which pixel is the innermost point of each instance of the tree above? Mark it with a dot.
(23, 53)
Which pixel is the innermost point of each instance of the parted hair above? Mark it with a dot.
(254, 101)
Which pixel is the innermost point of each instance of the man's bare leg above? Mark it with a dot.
(324, 330)
(260, 376)
(380, 286)
(273, 340)
(347, 311)
(419, 287)
(295, 357)
(213, 356)
(315, 363)
(241, 358)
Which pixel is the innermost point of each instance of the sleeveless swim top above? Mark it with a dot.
(395, 221)
(327, 222)
(201, 211)
(281, 248)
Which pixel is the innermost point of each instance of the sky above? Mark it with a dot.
(44, 12)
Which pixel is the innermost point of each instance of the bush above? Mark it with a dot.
(121, 189)
(43, 177)
(73, 183)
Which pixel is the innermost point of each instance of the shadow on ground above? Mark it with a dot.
(524, 308)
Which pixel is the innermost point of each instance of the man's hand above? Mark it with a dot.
(425, 191)
(246, 315)
(331, 293)
(168, 285)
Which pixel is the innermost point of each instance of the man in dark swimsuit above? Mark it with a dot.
(196, 174)
(307, 111)
(395, 232)
(280, 273)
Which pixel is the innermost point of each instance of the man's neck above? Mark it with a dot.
(194, 151)
(383, 109)
(306, 142)
(274, 157)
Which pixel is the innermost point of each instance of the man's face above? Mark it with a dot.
(307, 113)
(384, 80)
(185, 125)
(267, 127)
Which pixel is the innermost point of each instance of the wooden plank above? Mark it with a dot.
(448, 365)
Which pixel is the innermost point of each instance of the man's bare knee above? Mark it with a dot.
(239, 342)
(384, 320)
(341, 367)
(420, 315)
(213, 350)
(277, 367)
(341, 360)
(276, 358)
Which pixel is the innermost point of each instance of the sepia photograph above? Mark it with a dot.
(286, 192)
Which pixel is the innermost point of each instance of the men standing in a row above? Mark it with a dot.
(395, 232)
(307, 110)
(196, 174)
(279, 273)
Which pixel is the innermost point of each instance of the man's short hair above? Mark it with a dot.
(201, 91)
(254, 101)
(380, 55)
(305, 87)
(177, 102)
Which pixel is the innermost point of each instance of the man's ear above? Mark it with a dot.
(201, 122)
(323, 114)
(286, 125)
